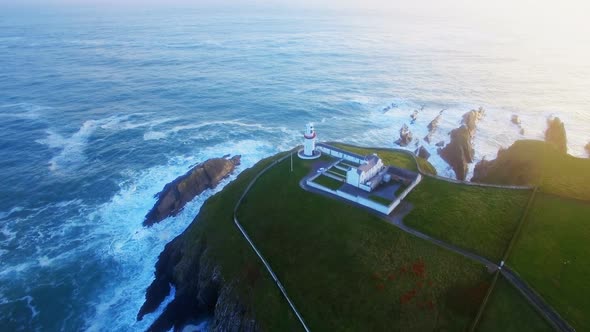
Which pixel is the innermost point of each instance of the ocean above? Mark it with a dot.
(99, 109)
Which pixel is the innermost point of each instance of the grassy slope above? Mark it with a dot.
(539, 163)
(557, 231)
(508, 311)
(347, 270)
(479, 219)
(238, 262)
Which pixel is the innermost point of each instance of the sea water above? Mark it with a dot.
(99, 109)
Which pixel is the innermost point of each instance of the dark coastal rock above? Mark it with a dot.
(432, 126)
(422, 152)
(587, 148)
(555, 134)
(405, 136)
(471, 118)
(414, 116)
(183, 189)
(440, 144)
(200, 291)
(515, 119)
(389, 107)
(459, 152)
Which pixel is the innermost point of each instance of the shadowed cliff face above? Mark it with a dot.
(183, 189)
(200, 291)
(555, 134)
(459, 152)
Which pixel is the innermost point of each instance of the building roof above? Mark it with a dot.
(327, 146)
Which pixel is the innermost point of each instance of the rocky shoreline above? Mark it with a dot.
(175, 195)
(201, 291)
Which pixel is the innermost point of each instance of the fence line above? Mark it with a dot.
(266, 265)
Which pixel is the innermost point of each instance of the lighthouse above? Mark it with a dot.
(309, 136)
(309, 140)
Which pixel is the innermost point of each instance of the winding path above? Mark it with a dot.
(397, 220)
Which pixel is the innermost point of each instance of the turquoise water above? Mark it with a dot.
(100, 109)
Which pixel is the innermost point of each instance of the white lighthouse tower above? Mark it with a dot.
(309, 136)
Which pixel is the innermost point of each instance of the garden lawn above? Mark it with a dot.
(328, 182)
(551, 254)
(481, 220)
(347, 270)
(508, 311)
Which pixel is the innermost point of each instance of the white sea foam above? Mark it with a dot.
(71, 148)
(135, 248)
(154, 135)
(71, 153)
(6, 214)
(26, 111)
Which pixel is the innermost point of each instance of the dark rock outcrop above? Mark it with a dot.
(183, 189)
(515, 119)
(471, 118)
(587, 148)
(422, 152)
(200, 291)
(555, 134)
(459, 152)
(432, 126)
(405, 136)
(440, 144)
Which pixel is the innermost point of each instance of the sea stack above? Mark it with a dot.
(459, 152)
(555, 134)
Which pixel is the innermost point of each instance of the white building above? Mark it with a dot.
(362, 175)
(363, 172)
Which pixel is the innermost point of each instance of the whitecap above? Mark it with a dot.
(6, 214)
(120, 236)
(154, 135)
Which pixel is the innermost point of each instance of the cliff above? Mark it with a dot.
(183, 189)
(537, 163)
(216, 274)
(200, 290)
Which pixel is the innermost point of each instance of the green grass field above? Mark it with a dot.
(508, 311)
(238, 263)
(348, 270)
(328, 182)
(551, 254)
(482, 220)
(380, 200)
